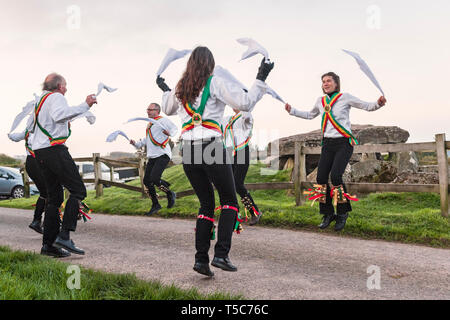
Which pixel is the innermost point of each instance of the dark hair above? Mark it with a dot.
(336, 79)
(199, 68)
(52, 82)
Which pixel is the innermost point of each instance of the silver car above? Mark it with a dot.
(11, 184)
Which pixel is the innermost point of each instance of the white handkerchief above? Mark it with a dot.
(90, 117)
(365, 68)
(253, 48)
(171, 56)
(113, 136)
(274, 94)
(25, 111)
(102, 86)
(224, 73)
(155, 122)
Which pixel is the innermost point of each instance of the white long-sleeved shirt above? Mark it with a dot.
(340, 110)
(242, 129)
(54, 117)
(154, 151)
(222, 92)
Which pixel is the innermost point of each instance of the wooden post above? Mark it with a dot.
(26, 183)
(441, 153)
(299, 172)
(97, 175)
(111, 172)
(142, 173)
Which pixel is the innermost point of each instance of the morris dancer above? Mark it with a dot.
(159, 154)
(337, 147)
(51, 130)
(237, 135)
(200, 99)
(34, 172)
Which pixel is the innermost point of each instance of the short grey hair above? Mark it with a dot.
(52, 81)
(156, 105)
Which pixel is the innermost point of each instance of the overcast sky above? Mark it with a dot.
(122, 43)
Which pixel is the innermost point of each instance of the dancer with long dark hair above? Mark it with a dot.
(200, 99)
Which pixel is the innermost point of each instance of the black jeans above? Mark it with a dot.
(34, 172)
(153, 172)
(335, 155)
(59, 170)
(205, 165)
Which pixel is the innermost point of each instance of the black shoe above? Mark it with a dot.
(54, 252)
(155, 208)
(68, 245)
(203, 268)
(36, 226)
(171, 196)
(340, 221)
(223, 263)
(255, 219)
(327, 219)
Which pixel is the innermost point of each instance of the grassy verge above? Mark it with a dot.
(405, 217)
(29, 276)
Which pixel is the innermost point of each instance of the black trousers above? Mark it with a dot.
(335, 155)
(205, 165)
(153, 172)
(241, 162)
(59, 170)
(34, 172)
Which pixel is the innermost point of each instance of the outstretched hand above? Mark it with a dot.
(91, 100)
(132, 142)
(381, 101)
(288, 107)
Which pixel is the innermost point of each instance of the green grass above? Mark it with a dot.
(29, 276)
(405, 217)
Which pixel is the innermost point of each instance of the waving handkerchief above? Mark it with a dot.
(224, 73)
(365, 68)
(113, 136)
(274, 94)
(253, 48)
(102, 86)
(90, 117)
(171, 56)
(25, 111)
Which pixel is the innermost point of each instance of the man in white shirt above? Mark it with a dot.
(51, 130)
(159, 154)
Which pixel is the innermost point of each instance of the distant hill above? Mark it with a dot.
(7, 161)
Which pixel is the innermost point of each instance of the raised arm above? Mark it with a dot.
(303, 114)
(368, 106)
(61, 111)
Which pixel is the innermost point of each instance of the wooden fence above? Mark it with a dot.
(440, 146)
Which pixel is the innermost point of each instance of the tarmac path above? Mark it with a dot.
(272, 263)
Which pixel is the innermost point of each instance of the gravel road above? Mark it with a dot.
(272, 263)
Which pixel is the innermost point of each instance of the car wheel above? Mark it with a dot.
(18, 192)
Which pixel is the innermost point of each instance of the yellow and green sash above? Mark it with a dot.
(196, 114)
(327, 104)
(152, 139)
(37, 109)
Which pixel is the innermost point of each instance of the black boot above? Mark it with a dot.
(224, 264)
(155, 208)
(341, 219)
(171, 196)
(36, 226)
(327, 219)
(203, 268)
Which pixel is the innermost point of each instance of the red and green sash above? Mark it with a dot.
(53, 141)
(229, 129)
(27, 146)
(152, 139)
(327, 104)
(196, 114)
